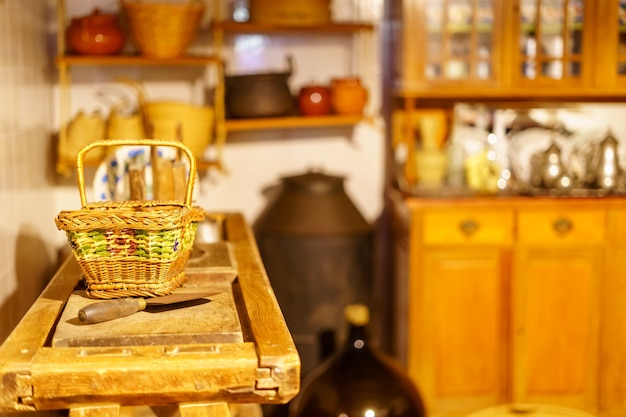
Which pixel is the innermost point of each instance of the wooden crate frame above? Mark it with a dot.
(264, 369)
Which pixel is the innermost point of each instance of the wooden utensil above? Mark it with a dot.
(113, 309)
(137, 180)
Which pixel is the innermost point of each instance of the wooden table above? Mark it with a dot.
(252, 358)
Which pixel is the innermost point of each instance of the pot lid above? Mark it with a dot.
(312, 203)
(314, 182)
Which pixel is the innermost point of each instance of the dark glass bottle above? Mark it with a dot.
(358, 381)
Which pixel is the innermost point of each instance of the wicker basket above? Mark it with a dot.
(81, 131)
(163, 118)
(163, 30)
(132, 248)
(290, 12)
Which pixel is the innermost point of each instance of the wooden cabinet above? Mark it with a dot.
(445, 45)
(613, 330)
(459, 262)
(610, 45)
(512, 49)
(515, 300)
(551, 44)
(558, 273)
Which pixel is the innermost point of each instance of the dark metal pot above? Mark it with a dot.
(260, 95)
(317, 250)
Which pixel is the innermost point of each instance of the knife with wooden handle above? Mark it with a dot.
(113, 309)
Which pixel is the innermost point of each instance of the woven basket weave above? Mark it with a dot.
(163, 30)
(132, 248)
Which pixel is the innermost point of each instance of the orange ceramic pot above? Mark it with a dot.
(348, 96)
(314, 100)
(95, 34)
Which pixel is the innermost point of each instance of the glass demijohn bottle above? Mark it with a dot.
(358, 380)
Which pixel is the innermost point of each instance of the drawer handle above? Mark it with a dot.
(563, 226)
(468, 227)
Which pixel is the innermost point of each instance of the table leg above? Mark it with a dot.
(105, 410)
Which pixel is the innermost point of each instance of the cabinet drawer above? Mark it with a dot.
(460, 227)
(562, 226)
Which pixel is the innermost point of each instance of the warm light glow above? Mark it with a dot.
(554, 170)
(369, 413)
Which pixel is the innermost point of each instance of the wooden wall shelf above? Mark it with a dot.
(135, 60)
(234, 125)
(252, 27)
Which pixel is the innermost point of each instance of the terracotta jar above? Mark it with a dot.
(95, 34)
(348, 96)
(314, 100)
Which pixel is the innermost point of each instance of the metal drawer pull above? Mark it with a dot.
(563, 226)
(468, 227)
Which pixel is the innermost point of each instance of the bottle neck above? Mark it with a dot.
(357, 338)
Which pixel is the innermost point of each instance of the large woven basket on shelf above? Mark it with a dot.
(132, 248)
(290, 12)
(161, 29)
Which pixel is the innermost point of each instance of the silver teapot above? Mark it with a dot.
(604, 170)
(548, 170)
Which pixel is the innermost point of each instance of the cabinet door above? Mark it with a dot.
(451, 43)
(613, 342)
(610, 46)
(552, 42)
(458, 327)
(556, 292)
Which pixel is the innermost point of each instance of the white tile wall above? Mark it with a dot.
(26, 226)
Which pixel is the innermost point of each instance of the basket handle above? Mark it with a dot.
(80, 165)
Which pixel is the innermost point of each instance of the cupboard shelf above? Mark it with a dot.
(551, 29)
(252, 27)
(136, 60)
(235, 125)
(458, 28)
(470, 92)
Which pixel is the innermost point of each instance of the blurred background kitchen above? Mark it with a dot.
(37, 180)
(465, 118)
